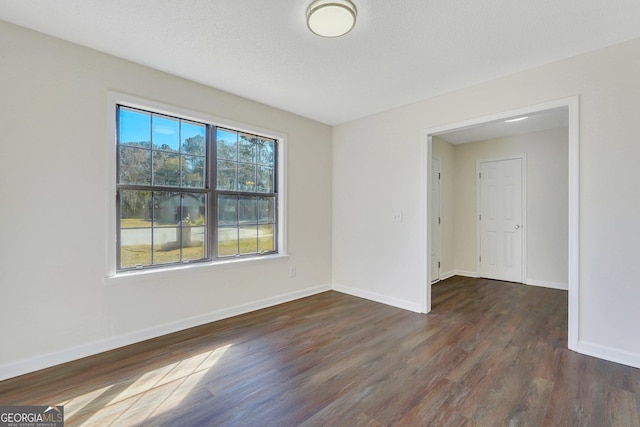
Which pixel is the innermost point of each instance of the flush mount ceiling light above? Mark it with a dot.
(331, 18)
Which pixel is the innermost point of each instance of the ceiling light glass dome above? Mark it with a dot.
(331, 18)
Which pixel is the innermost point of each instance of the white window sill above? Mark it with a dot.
(186, 269)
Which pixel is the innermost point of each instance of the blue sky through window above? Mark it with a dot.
(135, 126)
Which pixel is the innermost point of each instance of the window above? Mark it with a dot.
(190, 191)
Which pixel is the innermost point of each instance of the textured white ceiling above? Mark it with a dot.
(400, 51)
(535, 122)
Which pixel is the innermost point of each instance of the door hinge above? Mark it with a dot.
(439, 175)
(438, 264)
(480, 217)
(439, 221)
(480, 258)
(480, 175)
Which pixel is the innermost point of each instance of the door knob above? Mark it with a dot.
(517, 226)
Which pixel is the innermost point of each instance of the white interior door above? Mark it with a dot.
(500, 220)
(436, 233)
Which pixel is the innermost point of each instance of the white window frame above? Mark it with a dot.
(112, 275)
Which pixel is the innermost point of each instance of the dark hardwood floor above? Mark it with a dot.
(490, 354)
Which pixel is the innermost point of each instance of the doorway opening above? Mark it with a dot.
(494, 127)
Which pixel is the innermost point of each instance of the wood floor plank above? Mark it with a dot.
(491, 353)
(532, 406)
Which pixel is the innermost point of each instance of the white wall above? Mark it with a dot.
(55, 202)
(546, 229)
(378, 168)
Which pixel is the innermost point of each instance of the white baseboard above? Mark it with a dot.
(465, 273)
(394, 302)
(21, 367)
(546, 284)
(448, 274)
(608, 353)
(528, 281)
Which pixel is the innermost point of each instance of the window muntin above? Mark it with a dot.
(167, 199)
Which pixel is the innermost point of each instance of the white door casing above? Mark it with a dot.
(500, 219)
(436, 234)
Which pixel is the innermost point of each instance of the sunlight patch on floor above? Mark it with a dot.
(152, 394)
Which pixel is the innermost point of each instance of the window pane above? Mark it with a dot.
(227, 241)
(194, 209)
(166, 169)
(197, 216)
(193, 138)
(228, 210)
(135, 247)
(266, 150)
(194, 253)
(265, 238)
(166, 245)
(246, 177)
(265, 179)
(166, 133)
(226, 179)
(227, 144)
(166, 208)
(194, 243)
(266, 210)
(247, 210)
(247, 148)
(135, 166)
(248, 239)
(134, 128)
(193, 171)
(135, 209)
